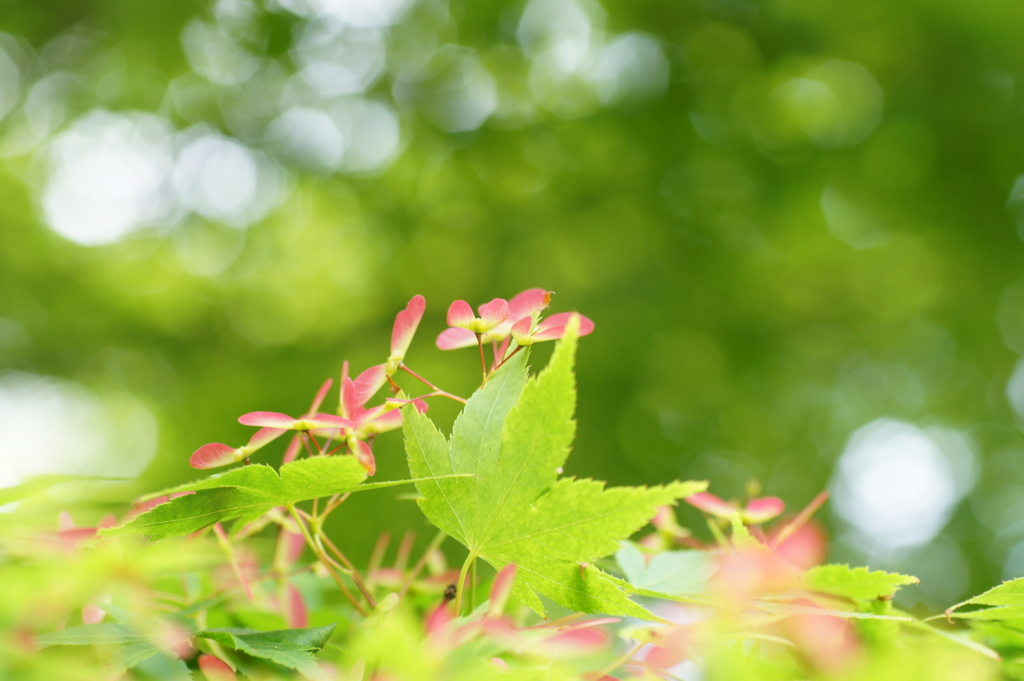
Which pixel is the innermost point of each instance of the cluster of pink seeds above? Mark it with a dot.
(497, 324)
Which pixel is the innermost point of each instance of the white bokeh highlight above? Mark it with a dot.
(335, 60)
(215, 55)
(1015, 389)
(577, 66)
(223, 179)
(10, 80)
(896, 485)
(632, 66)
(307, 137)
(53, 426)
(108, 177)
(354, 13)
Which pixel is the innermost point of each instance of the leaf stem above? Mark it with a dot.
(801, 519)
(326, 561)
(319, 449)
(305, 443)
(472, 586)
(461, 584)
(334, 503)
(225, 543)
(483, 360)
(438, 391)
(510, 356)
(353, 572)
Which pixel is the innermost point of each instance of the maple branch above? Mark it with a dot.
(353, 572)
(326, 561)
(335, 501)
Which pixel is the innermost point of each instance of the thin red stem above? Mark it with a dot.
(325, 560)
(438, 392)
(353, 572)
(801, 519)
(305, 443)
(335, 503)
(510, 356)
(319, 449)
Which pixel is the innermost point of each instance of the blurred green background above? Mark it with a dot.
(797, 226)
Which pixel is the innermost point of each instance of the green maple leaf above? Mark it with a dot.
(1007, 601)
(856, 584)
(513, 436)
(292, 648)
(248, 492)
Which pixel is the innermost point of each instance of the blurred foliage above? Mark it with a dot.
(788, 220)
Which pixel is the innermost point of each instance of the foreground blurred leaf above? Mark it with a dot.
(134, 645)
(669, 572)
(39, 483)
(249, 491)
(514, 436)
(292, 648)
(92, 634)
